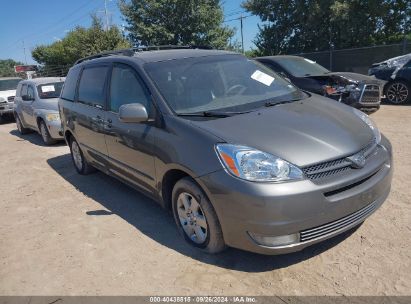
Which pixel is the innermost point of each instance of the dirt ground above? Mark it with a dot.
(66, 234)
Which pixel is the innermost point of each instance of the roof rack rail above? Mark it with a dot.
(131, 51)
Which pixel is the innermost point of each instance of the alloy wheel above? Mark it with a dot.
(77, 157)
(192, 218)
(397, 93)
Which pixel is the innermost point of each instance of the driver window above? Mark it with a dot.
(126, 88)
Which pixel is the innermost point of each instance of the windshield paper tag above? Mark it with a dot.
(48, 88)
(262, 77)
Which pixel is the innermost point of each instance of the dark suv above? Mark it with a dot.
(242, 157)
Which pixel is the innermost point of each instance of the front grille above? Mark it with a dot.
(334, 167)
(370, 94)
(329, 228)
(10, 98)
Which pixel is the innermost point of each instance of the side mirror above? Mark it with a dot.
(27, 98)
(133, 112)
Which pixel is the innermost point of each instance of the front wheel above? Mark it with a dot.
(398, 92)
(196, 218)
(45, 134)
(80, 163)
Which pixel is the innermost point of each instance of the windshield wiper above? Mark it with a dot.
(275, 103)
(212, 114)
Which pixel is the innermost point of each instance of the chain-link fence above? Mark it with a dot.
(358, 60)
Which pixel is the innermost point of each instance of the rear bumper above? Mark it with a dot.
(314, 212)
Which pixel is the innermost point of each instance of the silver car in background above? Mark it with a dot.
(8, 87)
(36, 107)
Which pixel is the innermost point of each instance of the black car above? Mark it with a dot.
(397, 72)
(357, 90)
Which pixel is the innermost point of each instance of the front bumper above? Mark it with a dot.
(300, 207)
(55, 130)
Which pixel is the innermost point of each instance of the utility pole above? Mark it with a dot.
(24, 50)
(242, 36)
(106, 13)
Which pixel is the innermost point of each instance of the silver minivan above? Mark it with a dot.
(36, 107)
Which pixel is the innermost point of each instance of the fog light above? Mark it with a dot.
(275, 241)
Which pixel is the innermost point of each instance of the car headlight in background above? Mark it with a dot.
(254, 165)
(52, 117)
(367, 119)
(354, 90)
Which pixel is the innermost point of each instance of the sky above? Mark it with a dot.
(27, 23)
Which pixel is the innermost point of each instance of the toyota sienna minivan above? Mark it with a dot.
(240, 156)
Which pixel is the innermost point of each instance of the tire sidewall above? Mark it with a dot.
(214, 242)
(48, 140)
(81, 171)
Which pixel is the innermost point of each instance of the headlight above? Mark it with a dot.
(254, 165)
(52, 117)
(354, 90)
(367, 119)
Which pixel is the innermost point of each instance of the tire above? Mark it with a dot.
(80, 163)
(398, 92)
(195, 217)
(45, 134)
(22, 130)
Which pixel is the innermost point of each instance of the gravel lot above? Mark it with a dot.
(66, 234)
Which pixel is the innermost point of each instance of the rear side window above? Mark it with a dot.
(30, 92)
(69, 91)
(23, 90)
(126, 88)
(91, 87)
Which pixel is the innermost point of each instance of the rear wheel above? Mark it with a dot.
(45, 134)
(22, 130)
(398, 92)
(80, 163)
(195, 217)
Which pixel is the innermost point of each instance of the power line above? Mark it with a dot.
(51, 25)
(237, 18)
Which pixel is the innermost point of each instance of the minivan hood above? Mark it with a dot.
(306, 132)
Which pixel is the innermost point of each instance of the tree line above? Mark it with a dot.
(286, 27)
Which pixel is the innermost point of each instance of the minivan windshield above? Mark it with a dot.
(9, 84)
(229, 83)
(300, 67)
(50, 90)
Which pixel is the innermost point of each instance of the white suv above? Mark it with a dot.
(8, 87)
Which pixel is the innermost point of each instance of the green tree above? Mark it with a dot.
(316, 25)
(78, 43)
(176, 22)
(7, 67)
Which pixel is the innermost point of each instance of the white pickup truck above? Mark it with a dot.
(8, 87)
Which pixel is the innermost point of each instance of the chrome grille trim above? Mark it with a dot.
(330, 228)
(330, 168)
(371, 94)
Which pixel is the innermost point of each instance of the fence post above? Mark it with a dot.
(404, 45)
